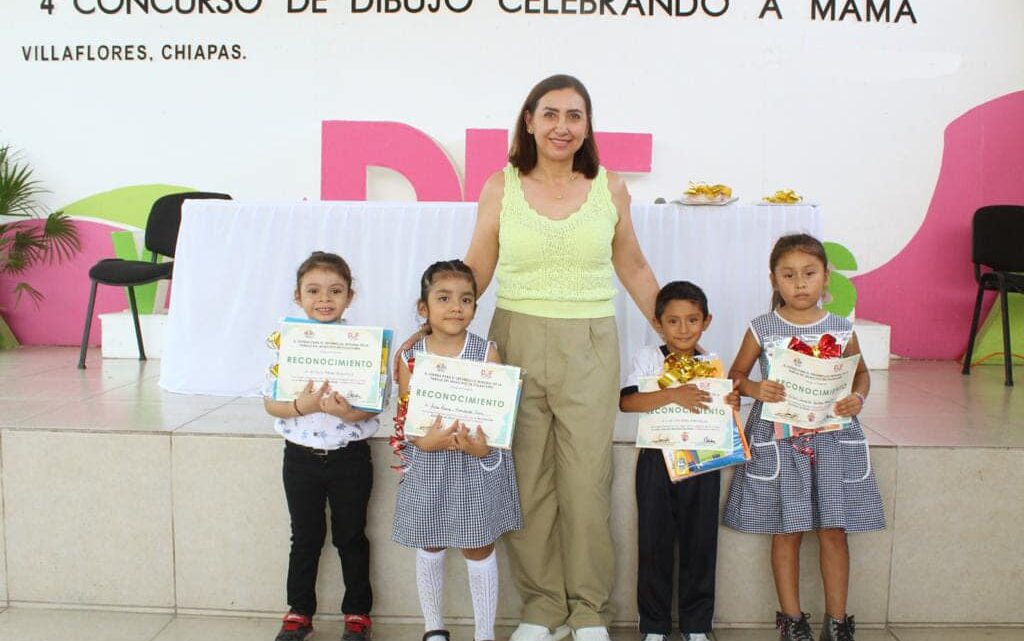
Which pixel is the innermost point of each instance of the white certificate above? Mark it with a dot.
(813, 385)
(675, 427)
(353, 360)
(472, 392)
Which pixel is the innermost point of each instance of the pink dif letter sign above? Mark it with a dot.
(349, 147)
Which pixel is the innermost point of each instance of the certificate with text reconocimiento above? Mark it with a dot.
(813, 385)
(675, 427)
(472, 392)
(353, 360)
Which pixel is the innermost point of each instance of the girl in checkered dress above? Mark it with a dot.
(456, 490)
(820, 482)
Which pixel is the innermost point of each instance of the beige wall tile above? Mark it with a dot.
(763, 635)
(624, 534)
(88, 518)
(947, 633)
(958, 555)
(3, 551)
(30, 624)
(232, 535)
(230, 523)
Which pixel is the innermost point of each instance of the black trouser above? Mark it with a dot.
(686, 511)
(343, 478)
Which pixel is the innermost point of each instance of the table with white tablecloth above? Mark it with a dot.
(234, 273)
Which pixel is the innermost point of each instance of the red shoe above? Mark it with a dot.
(295, 627)
(357, 627)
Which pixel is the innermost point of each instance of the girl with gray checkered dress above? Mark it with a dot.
(821, 482)
(456, 491)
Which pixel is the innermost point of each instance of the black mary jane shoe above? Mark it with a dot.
(436, 635)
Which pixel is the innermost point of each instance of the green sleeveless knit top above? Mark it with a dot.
(556, 268)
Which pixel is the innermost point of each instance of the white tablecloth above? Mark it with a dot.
(234, 274)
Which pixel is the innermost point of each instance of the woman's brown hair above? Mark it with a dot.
(523, 153)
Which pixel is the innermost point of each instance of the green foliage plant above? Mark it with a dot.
(28, 237)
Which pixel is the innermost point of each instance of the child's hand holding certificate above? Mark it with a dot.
(813, 385)
(673, 426)
(352, 360)
(473, 393)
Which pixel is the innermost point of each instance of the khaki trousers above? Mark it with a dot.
(563, 559)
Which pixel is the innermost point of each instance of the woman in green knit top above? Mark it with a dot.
(550, 229)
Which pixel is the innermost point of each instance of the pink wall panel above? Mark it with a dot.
(926, 292)
(60, 317)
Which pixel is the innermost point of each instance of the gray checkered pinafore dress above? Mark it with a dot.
(778, 491)
(451, 499)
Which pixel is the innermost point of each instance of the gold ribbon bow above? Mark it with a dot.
(784, 197)
(681, 369)
(274, 340)
(710, 192)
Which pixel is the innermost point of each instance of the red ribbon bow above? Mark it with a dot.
(398, 440)
(827, 347)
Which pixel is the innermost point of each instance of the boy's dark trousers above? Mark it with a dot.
(343, 479)
(686, 511)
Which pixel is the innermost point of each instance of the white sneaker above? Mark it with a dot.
(560, 632)
(655, 637)
(594, 633)
(695, 636)
(533, 632)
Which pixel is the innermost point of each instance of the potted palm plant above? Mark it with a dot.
(27, 236)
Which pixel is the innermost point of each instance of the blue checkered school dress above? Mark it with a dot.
(451, 499)
(778, 491)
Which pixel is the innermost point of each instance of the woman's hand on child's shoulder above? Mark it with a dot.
(690, 396)
(308, 400)
(406, 346)
(438, 437)
(849, 406)
(769, 391)
(474, 444)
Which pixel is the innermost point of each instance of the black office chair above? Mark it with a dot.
(997, 241)
(161, 239)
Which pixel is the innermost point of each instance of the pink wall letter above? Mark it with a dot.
(630, 153)
(486, 153)
(349, 147)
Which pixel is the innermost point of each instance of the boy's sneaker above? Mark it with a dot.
(655, 637)
(357, 628)
(837, 630)
(794, 629)
(295, 627)
(695, 636)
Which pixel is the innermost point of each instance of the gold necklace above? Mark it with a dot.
(572, 177)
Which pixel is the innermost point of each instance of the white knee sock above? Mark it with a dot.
(430, 583)
(483, 587)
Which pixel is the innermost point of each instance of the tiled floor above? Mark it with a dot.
(30, 624)
(915, 403)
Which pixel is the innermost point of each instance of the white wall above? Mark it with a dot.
(848, 113)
